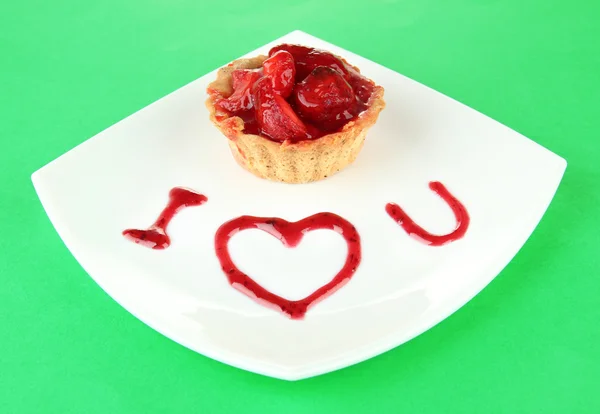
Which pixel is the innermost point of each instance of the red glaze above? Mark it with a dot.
(414, 230)
(241, 99)
(274, 115)
(156, 236)
(289, 65)
(280, 68)
(290, 234)
(308, 58)
(363, 87)
(325, 99)
(250, 122)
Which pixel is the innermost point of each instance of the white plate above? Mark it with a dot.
(121, 177)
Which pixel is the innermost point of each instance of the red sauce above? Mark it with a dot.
(156, 236)
(290, 234)
(413, 229)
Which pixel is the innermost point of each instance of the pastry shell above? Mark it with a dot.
(290, 162)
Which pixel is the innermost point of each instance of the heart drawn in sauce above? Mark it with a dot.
(290, 234)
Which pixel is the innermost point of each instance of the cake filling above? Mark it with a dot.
(299, 93)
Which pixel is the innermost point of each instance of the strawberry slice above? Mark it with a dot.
(280, 68)
(240, 77)
(240, 99)
(325, 98)
(274, 115)
(295, 50)
(308, 58)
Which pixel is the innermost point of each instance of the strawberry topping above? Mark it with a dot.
(307, 59)
(274, 115)
(299, 93)
(240, 99)
(282, 71)
(324, 98)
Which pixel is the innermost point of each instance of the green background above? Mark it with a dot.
(529, 343)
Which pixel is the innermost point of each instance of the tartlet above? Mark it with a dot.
(273, 143)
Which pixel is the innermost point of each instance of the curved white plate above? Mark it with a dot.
(121, 177)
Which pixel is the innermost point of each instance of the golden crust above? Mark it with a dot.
(299, 162)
